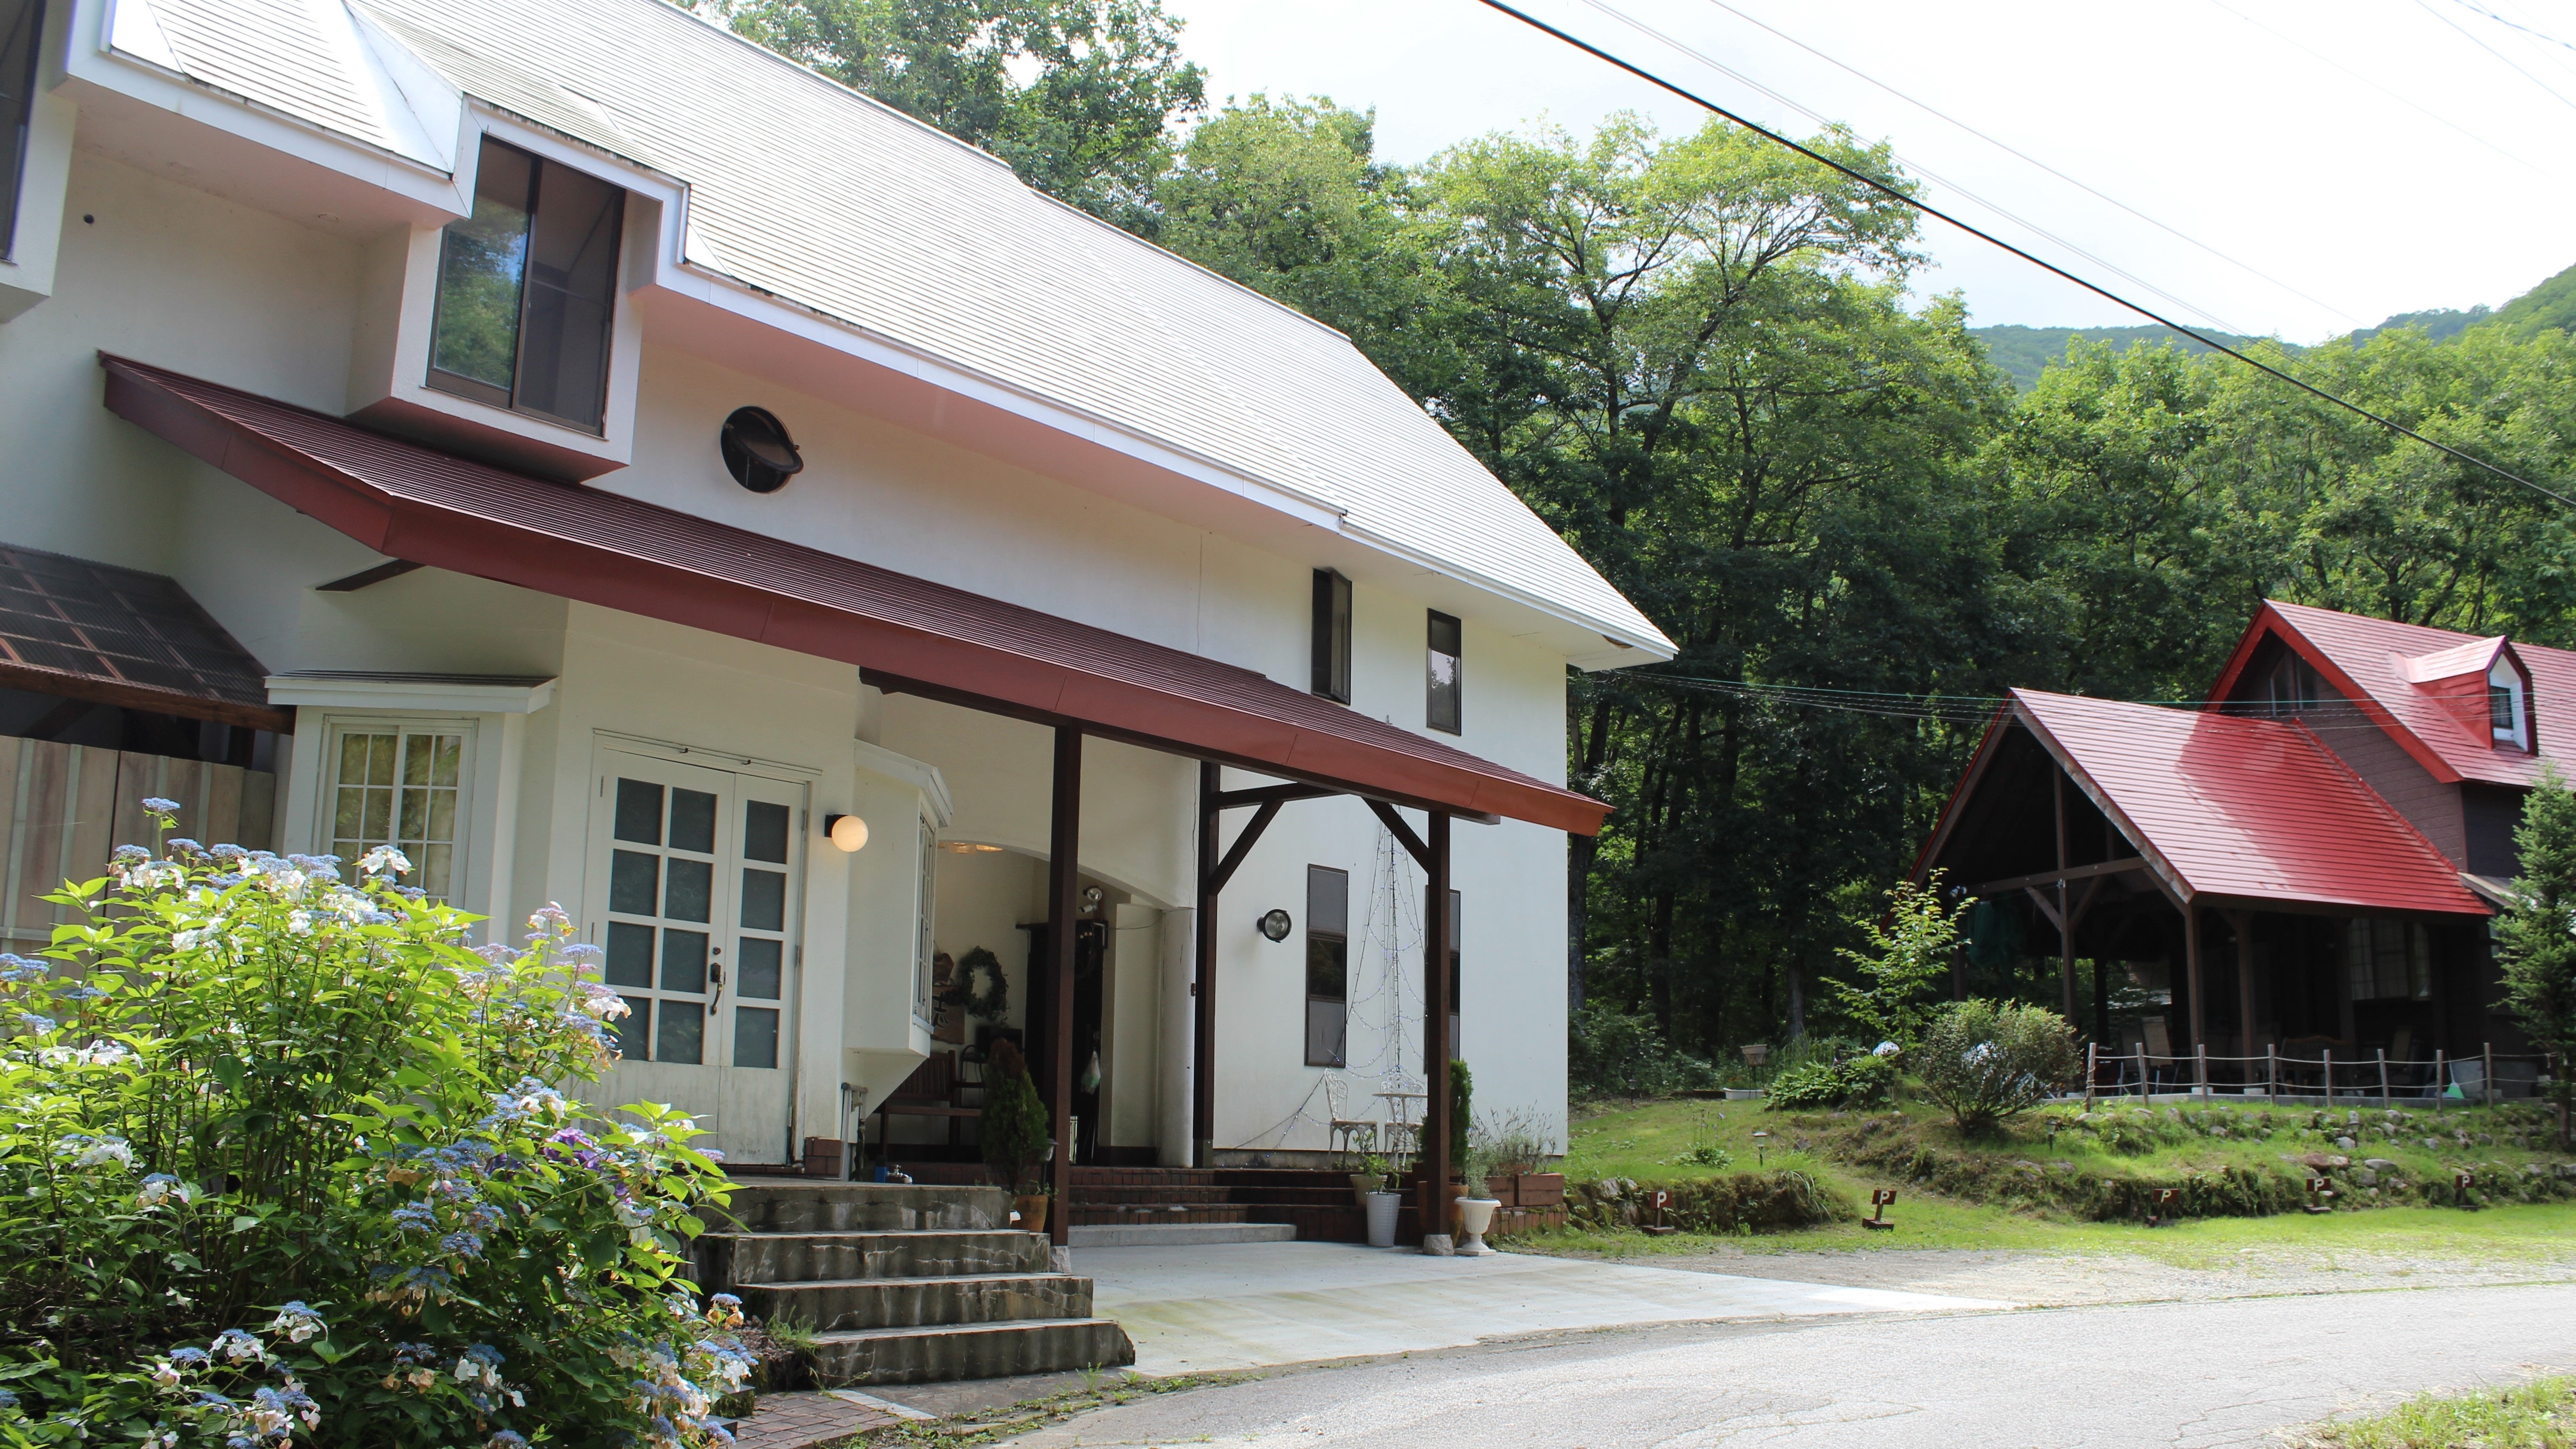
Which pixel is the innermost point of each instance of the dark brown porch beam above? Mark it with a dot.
(1064, 872)
(1403, 833)
(2010, 884)
(1242, 847)
(1265, 794)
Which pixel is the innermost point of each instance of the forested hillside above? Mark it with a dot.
(1694, 355)
(2023, 351)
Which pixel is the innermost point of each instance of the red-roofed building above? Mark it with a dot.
(2317, 852)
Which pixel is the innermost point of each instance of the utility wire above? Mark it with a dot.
(2516, 24)
(2014, 151)
(1990, 238)
(2498, 54)
(1816, 118)
(2325, 59)
(1967, 709)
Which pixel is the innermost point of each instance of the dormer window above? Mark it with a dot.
(527, 287)
(2508, 714)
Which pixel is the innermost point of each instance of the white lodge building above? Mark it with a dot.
(622, 468)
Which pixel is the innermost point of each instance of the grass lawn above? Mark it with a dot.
(1667, 1141)
(2538, 1415)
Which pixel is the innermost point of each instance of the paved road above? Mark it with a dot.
(2171, 1375)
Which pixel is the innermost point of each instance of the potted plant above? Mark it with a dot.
(1013, 1132)
(1381, 1204)
(1475, 1207)
(1370, 1178)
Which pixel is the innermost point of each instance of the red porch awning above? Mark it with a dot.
(415, 503)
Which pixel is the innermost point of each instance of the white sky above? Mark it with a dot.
(2187, 110)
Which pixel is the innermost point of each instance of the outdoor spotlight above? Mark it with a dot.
(1276, 925)
(848, 832)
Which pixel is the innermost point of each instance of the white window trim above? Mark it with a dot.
(2519, 693)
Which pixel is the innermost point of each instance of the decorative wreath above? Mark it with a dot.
(987, 998)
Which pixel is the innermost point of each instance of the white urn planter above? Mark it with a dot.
(1475, 1214)
(1381, 1218)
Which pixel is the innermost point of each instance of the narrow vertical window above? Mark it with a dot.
(527, 286)
(1328, 966)
(1332, 636)
(21, 23)
(1445, 709)
(404, 788)
(2504, 705)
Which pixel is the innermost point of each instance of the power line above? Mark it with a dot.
(1964, 709)
(1991, 239)
(2438, 119)
(2013, 151)
(2498, 54)
(2516, 24)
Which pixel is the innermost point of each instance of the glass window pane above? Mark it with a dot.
(442, 816)
(1324, 1032)
(630, 955)
(376, 824)
(420, 753)
(764, 900)
(450, 752)
(482, 263)
(21, 23)
(414, 815)
(380, 759)
(757, 967)
(691, 887)
(684, 962)
(437, 872)
(571, 292)
(349, 814)
(755, 1036)
(764, 831)
(693, 821)
(631, 883)
(683, 1033)
(1444, 711)
(639, 812)
(1327, 969)
(635, 1031)
(1328, 900)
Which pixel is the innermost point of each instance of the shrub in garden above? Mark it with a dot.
(283, 1162)
(1987, 1060)
(1813, 1086)
(1614, 1053)
(1014, 1128)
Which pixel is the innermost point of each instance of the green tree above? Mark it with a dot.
(1909, 952)
(2538, 934)
(1078, 96)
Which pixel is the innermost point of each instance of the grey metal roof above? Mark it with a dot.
(804, 189)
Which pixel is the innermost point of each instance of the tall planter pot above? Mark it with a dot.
(1382, 1208)
(1475, 1214)
(1033, 1212)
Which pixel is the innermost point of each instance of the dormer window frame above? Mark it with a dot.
(2509, 699)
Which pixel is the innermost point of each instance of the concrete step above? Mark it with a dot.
(859, 1207)
(851, 1304)
(725, 1260)
(1194, 1212)
(1135, 1234)
(943, 1354)
(1088, 1194)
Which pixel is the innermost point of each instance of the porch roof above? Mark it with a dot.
(423, 506)
(108, 635)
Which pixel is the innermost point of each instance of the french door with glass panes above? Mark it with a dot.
(693, 896)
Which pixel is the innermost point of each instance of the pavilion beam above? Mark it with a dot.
(1265, 794)
(2006, 887)
(1403, 833)
(1064, 879)
(1437, 1128)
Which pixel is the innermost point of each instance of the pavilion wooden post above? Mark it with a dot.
(1437, 1129)
(2242, 922)
(2065, 907)
(1064, 877)
(1203, 983)
(2191, 972)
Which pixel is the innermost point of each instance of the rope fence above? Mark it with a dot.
(2484, 1079)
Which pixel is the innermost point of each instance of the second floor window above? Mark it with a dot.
(527, 288)
(2504, 705)
(1332, 636)
(1446, 708)
(21, 22)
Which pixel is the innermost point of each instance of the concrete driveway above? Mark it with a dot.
(2230, 1372)
(1256, 1305)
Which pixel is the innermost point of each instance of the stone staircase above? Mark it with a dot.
(905, 1284)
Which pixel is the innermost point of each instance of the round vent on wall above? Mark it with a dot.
(757, 451)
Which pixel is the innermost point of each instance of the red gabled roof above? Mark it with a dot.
(2223, 805)
(2391, 671)
(423, 506)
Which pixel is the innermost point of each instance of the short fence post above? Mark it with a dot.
(2441, 1072)
(2200, 1065)
(2383, 1077)
(2329, 1056)
(2272, 1073)
(2488, 1087)
(2092, 1070)
(2146, 1094)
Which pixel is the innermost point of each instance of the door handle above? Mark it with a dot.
(715, 973)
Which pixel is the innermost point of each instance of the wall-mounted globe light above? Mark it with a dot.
(848, 832)
(1276, 925)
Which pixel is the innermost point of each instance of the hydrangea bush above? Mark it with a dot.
(282, 1161)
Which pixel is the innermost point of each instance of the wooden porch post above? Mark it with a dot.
(2243, 924)
(2065, 913)
(2191, 972)
(1203, 1033)
(1436, 1046)
(1064, 878)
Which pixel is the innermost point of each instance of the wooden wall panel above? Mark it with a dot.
(63, 808)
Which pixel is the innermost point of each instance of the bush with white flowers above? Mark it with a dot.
(283, 1162)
